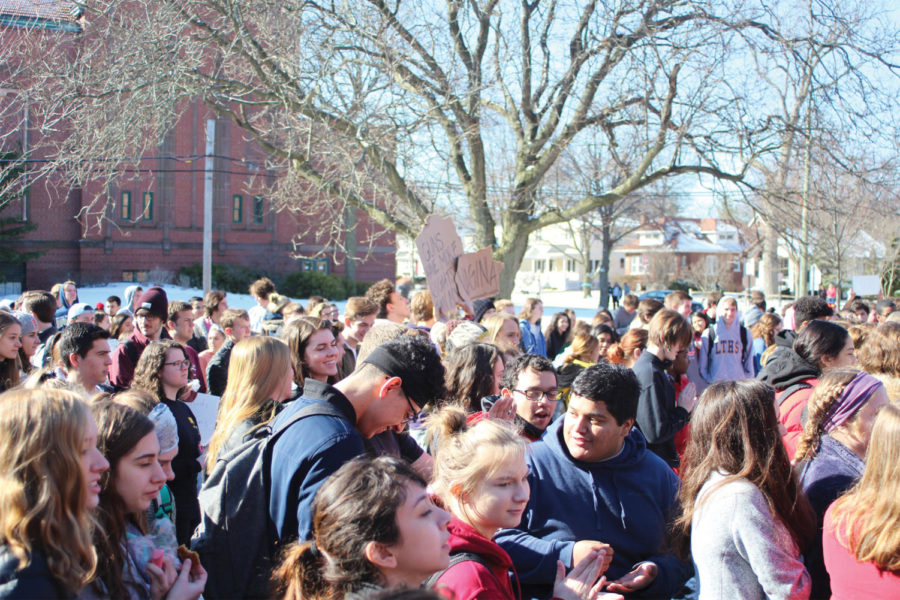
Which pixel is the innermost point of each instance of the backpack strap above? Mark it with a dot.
(711, 336)
(745, 348)
(311, 410)
(789, 391)
(455, 559)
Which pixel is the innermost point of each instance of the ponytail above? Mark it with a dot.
(299, 576)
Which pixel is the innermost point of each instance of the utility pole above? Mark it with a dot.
(208, 205)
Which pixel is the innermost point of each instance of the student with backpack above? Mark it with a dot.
(725, 353)
(482, 479)
(259, 497)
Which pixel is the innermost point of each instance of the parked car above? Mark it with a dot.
(661, 296)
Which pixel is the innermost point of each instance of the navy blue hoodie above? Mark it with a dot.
(625, 501)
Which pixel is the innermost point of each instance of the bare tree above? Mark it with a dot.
(406, 108)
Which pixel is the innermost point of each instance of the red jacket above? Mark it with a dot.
(790, 413)
(470, 580)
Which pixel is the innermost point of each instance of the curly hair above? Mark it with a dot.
(358, 504)
(766, 328)
(150, 366)
(380, 294)
(880, 352)
(42, 492)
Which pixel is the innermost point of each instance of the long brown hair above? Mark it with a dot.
(470, 374)
(119, 429)
(42, 492)
(867, 518)
(9, 367)
(734, 430)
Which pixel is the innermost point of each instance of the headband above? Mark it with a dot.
(854, 396)
(391, 365)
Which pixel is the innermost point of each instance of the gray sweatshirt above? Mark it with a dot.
(740, 549)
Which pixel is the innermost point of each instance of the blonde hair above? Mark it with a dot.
(467, 456)
(494, 323)
(867, 518)
(42, 490)
(583, 346)
(255, 370)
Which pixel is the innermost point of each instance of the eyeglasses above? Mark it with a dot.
(413, 411)
(181, 364)
(536, 395)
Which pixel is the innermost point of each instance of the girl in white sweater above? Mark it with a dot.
(743, 517)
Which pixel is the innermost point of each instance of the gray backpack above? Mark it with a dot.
(236, 540)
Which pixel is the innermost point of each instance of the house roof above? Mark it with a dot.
(47, 14)
(685, 235)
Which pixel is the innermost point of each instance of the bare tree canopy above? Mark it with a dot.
(407, 108)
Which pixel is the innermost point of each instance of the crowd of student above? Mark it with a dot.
(651, 453)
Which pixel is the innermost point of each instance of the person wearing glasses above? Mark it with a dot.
(150, 317)
(163, 372)
(388, 388)
(530, 380)
(593, 485)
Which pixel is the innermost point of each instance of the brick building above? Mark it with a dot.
(154, 223)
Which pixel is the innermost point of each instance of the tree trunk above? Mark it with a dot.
(606, 241)
(769, 267)
(511, 252)
(585, 251)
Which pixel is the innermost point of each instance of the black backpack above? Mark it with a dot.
(236, 540)
(745, 348)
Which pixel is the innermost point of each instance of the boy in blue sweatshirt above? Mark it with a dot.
(593, 482)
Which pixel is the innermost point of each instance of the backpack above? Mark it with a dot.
(455, 559)
(236, 540)
(745, 348)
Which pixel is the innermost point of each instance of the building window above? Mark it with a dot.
(550, 264)
(125, 205)
(147, 207)
(712, 264)
(638, 264)
(237, 209)
(257, 210)
(570, 265)
(736, 265)
(135, 276)
(315, 264)
(539, 265)
(622, 263)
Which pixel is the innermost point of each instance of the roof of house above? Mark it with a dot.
(47, 14)
(689, 236)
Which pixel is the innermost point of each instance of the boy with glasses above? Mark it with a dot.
(531, 382)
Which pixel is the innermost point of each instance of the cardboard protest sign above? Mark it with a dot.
(478, 275)
(439, 245)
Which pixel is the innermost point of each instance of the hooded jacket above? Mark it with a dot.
(470, 580)
(788, 370)
(128, 301)
(658, 416)
(723, 362)
(625, 501)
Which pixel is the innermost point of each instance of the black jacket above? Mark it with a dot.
(658, 417)
(217, 369)
(785, 369)
(34, 582)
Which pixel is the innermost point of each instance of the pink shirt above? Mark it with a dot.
(850, 579)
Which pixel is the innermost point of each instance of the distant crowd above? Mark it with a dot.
(651, 452)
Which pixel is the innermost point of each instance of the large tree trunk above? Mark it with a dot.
(769, 267)
(511, 252)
